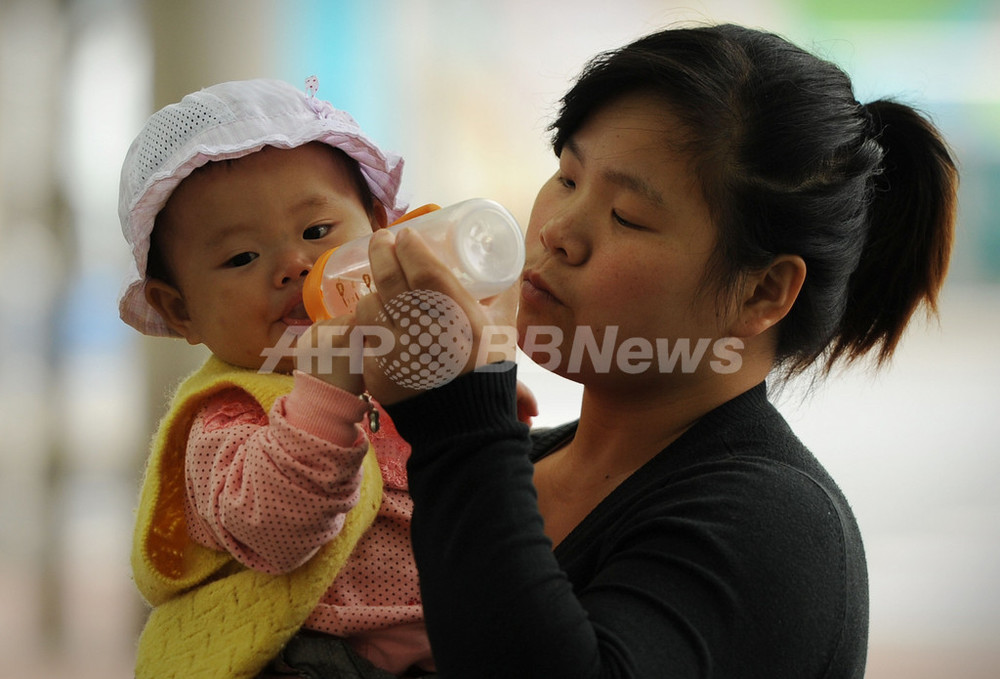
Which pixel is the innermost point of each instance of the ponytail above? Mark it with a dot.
(910, 232)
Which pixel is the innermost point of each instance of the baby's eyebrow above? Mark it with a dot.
(310, 201)
(224, 233)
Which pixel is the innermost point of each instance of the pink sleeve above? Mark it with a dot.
(271, 489)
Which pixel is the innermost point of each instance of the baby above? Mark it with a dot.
(267, 524)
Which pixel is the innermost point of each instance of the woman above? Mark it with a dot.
(717, 188)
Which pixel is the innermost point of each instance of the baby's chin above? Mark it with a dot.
(284, 365)
(278, 359)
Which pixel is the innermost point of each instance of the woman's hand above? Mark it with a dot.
(480, 332)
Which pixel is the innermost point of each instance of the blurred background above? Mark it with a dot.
(464, 90)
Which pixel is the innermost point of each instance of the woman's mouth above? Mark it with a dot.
(535, 290)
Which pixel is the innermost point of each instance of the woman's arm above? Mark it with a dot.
(714, 560)
(495, 599)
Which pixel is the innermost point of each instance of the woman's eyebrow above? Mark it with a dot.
(627, 180)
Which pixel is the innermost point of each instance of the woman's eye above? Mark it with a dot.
(241, 259)
(316, 232)
(626, 223)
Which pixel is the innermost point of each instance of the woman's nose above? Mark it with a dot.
(564, 235)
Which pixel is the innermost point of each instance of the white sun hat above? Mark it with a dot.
(221, 122)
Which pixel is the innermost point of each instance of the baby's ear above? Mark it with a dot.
(380, 219)
(169, 303)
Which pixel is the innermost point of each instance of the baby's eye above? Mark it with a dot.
(241, 259)
(316, 232)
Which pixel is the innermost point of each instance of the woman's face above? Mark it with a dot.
(618, 244)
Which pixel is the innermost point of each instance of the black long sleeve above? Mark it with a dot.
(730, 554)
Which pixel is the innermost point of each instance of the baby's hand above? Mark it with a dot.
(324, 351)
(527, 406)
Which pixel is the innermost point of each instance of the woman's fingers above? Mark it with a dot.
(417, 267)
(387, 272)
(422, 327)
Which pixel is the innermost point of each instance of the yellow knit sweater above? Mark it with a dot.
(211, 616)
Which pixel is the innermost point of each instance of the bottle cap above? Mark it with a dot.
(312, 290)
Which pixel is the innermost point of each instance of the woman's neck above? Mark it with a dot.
(620, 430)
(624, 423)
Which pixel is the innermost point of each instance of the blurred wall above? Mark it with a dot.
(465, 92)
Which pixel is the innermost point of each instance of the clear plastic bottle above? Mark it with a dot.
(478, 239)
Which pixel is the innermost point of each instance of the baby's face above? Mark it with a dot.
(240, 238)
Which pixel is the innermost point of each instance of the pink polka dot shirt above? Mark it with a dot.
(272, 488)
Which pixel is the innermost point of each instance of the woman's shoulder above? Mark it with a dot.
(746, 450)
(740, 465)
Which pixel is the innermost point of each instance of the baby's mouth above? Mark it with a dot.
(297, 316)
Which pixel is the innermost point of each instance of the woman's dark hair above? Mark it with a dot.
(790, 163)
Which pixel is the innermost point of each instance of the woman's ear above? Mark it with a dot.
(769, 295)
(169, 302)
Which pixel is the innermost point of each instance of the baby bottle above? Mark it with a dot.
(478, 239)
